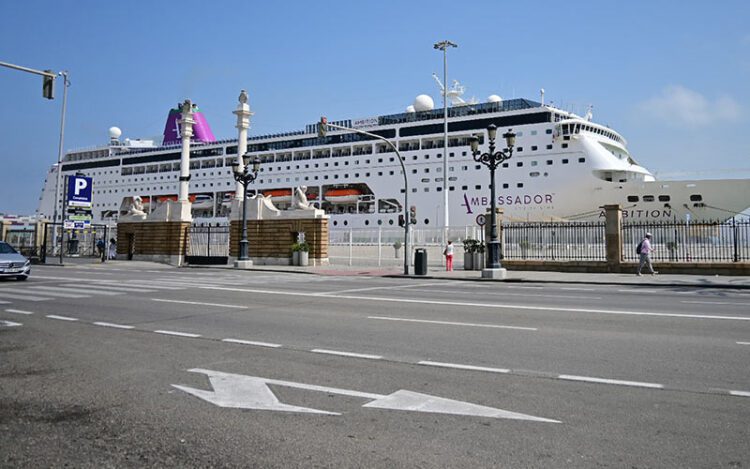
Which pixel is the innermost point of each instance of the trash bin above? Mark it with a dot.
(420, 261)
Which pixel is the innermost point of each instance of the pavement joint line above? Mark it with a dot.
(251, 342)
(177, 333)
(116, 326)
(198, 303)
(463, 367)
(347, 354)
(18, 311)
(590, 379)
(61, 318)
(451, 323)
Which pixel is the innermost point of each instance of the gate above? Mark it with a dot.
(208, 245)
(60, 242)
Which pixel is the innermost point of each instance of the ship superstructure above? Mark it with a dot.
(564, 167)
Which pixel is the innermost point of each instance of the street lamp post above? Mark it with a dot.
(492, 160)
(443, 46)
(245, 176)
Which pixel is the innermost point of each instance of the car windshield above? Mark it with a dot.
(6, 248)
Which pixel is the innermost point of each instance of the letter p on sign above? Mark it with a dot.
(80, 184)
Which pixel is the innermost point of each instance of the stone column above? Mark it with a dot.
(243, 114)
(613, 236)
(186, 132)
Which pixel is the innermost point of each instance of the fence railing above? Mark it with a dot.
(208, 241)
(681, 241)
(554, 241)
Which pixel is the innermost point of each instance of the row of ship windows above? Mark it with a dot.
(663, 198)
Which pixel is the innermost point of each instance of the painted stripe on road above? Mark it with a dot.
(116, 326)
(198, 303)
(61, 318)
(113, 288)
(23, 297)
(251, 342)
(451, 323)
(18, 311)
(590, 379)
(181, 334)
(79, 289)
(635, 290)
(464, 367)
(54, 291)
(715, 303)
(738, 343)
(480, 305)
(740, 393)
(10, 323)
(389, 287)
(347, 354)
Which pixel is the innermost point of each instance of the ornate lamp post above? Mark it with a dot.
(245, 176)
(492, 160)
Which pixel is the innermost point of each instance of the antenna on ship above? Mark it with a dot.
(589, 113)
(541, 94)
(454, 94)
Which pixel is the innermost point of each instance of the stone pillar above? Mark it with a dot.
(186, 132)
(161, 241)
(270, 241)
(613, 236)
(243, 114)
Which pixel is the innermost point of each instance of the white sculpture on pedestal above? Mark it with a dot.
(133, 208)
(299, 199)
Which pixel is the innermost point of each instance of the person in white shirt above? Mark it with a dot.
(448, 252)
(645, 255)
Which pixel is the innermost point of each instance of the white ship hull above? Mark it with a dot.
(563, 168)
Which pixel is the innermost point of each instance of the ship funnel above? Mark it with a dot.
(201, 129)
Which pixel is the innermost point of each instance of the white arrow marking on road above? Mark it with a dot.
(10, 324)
(251, 392)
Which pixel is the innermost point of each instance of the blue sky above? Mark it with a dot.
(672, 77)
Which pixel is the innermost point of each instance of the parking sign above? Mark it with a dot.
(79, 191)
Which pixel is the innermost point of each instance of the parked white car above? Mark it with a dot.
(13, 264)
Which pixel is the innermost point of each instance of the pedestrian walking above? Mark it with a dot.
(448, 253)
(100, 248)
(112, 248)
(644, 251)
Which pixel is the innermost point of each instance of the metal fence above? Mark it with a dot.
(681, 241)
(554, 241)
(208, 241)
(74, 242)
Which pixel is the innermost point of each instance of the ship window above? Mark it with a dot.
(439, 189)
(664, 198)
(533, 148)
(426, 221)
(463, 153)
(548, 131)
(451, 154)
(648, 198)
(581, 160)
(427, 189)
(478, 187)
(464, 188)
(425, 179)
(505, 186)
(519, 149)
(696, 198)
(380, 222)
(335, 222)
(534, 174)
(565, 161)
(390, 222)
(632, 198)
(505, 165)
(534, 163)
(520, 184)
(452, 188)
(427, 170)
(414, 171)
(414, 189)
(391, 173)
(478, 167)
(565, 145)
(533, 132)
(519, 164)
(367, 222)
(549, 147)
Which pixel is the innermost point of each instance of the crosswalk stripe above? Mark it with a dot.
(4, 302)
(113, 288)
(85, 291)
(52, 291)
(23, 297)
(149, 285)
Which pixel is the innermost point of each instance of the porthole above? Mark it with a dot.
(390, 222)
(696, 198)
(426, 221)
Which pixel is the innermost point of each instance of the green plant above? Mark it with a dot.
(301, 247)
(470, 245)
(480, 247)
(397, 245)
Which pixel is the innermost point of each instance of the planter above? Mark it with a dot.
(295, 258)
(477, 262)
(398, 251)
(468, 261)
(304, 258)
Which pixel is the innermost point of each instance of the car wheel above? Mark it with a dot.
(22, 277)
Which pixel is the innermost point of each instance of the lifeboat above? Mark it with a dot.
(343, 196)
(146, 201)
(279, 195)
(202, 201)
(166, 198)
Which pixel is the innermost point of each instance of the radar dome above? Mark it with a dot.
(493, 98)
(410, 109)
(423, 103)
(114, 133)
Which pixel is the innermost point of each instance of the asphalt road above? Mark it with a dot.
(121, 366)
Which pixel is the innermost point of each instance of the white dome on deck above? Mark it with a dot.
(410, 108)
(493, 98)
(114, 132)
(423, 102)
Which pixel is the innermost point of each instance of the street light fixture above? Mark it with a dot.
(443, 46)
(492, 160)
(246, 176)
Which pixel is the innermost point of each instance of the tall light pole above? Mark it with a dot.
(443, 46)
(323, 128)
(492, 160)
(244, 176)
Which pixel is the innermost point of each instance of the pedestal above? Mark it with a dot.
(494, 274)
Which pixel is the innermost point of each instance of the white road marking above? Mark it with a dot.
(636, 290)
(198, 303)
(738, 343)
(577, 289)
(76, 289)
(53, 291)
(5, 302)
(715, 303)
(590, 379)
(252, 392)
(740, 393)
(450, 323)
(181, 334)
(24, 297)
(251, 342)
(480, 305)
(389, 287)
(116, 326)
(10, 323)
(61, 318)
(347, 354)
(464, 367)
(18, 311)
(112, 288)
(525, 288)
(502, 293)
(149, 286)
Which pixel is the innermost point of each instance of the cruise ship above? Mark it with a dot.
(564, 167)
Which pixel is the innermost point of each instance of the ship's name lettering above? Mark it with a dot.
(643, 214)
(528, 199)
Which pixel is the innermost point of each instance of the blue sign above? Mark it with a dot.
(79, 191)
